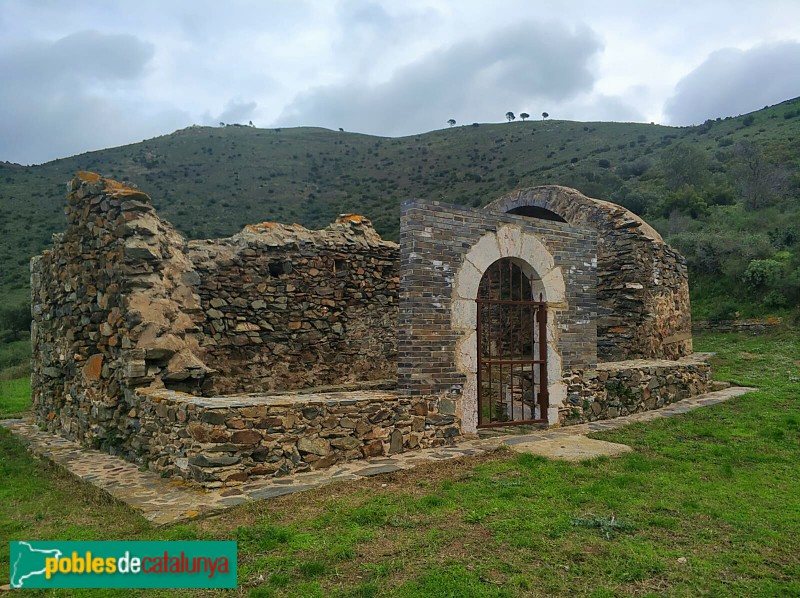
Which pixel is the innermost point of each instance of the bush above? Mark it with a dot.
(14, 321)
(603, 163)
(775, 298)
(762, 274)
(687, 201)
(721, 194)
(724, 311)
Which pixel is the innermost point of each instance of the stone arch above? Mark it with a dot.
(537, 263)
(642, 282)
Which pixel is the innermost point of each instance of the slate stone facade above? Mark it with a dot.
(434, 241)
(642, 282)
(615, 389)
(122, 302)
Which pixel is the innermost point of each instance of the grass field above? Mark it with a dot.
(708, 504)
(15, 397)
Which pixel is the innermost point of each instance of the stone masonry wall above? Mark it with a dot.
(289, 308)
(642, 283)
(112, 311)
(620, 388)
(434, 239)
(224, 441)
(119, 304)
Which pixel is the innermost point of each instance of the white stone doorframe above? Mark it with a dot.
(537, 263)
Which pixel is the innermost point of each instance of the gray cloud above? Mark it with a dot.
(237, 111)
(80, 91)
(599, 107)
(732, 81)
(516, 68)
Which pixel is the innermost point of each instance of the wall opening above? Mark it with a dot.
(537, 212)
(512, 347)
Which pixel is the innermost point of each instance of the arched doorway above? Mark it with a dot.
(512, 346)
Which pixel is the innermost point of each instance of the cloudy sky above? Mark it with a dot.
(81, 75)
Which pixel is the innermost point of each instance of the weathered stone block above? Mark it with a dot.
(246, 437)
(315, 446)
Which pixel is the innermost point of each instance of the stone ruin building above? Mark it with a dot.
(281, 349)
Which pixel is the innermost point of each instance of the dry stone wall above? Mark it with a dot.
(615, 389)
(122, 302)
(224, 441)
(288, 308)
(113, 310)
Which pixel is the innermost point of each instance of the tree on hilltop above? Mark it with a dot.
(524, 115)
(452, 122)
(544, 115)
(510, 116)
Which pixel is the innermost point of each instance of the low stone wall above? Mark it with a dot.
(226, 440)
(747, 326)
(624, 387)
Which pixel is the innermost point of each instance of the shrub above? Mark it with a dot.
(15, 320)
(762, 274)
(727, 310)
(687, 201)
(603, 163)
(775, 298)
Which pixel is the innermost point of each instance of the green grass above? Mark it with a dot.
(707, 505)
(15, 397)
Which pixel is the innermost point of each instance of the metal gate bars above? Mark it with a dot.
(512, 348)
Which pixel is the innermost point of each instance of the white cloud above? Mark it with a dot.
(480, 79)
(79, 90)
(732, 81)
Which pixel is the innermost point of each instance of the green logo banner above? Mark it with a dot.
(122, 564)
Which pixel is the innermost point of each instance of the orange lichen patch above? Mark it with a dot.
(261, 226)
(112, 184)
(93, 367)
(352, 219)
(89, 177)
(127, 192)
(112, 188)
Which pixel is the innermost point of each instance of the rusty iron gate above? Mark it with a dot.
(512, 348)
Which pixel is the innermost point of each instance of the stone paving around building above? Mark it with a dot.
(163, 501)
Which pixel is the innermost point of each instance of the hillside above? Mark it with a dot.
(211, 181)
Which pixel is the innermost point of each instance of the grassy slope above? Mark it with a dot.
(717, 487)
(212, 181)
